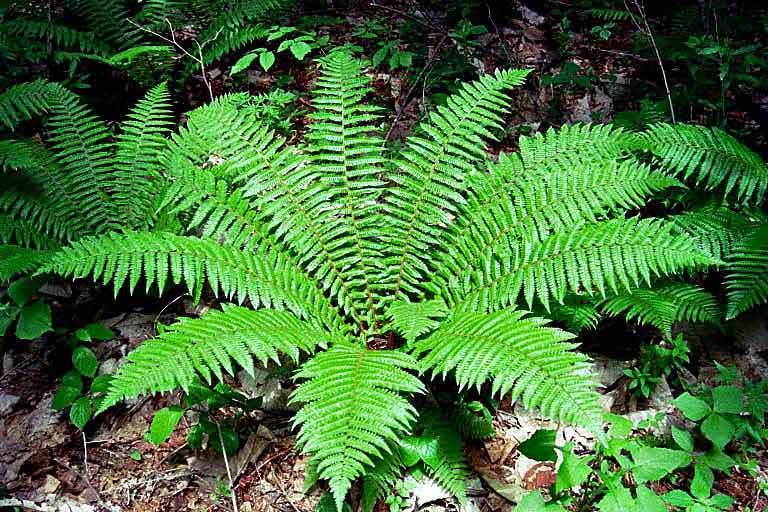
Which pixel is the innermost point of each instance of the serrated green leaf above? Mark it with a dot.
(540, 446)
(164, 423)
(683, 438)
(653, 464)
(718, 429)
(84, 361)
(573, 471)
(101, 384)
(716, 459)
(99, 331)
(21, 290)
(703, 478)
(693, 408)
(34, 320)
(64, 397)
(80, 412)
(678, 498)
(728, 399)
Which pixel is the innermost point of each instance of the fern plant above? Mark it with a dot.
(333, 250)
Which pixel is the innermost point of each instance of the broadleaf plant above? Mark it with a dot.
(376, 274)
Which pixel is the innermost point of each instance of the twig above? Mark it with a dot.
(408, 94)
(174, 301)
(229, 473)
(502, 40)
(284, 493)
(172, 40)
(85, 457)
(647, 31)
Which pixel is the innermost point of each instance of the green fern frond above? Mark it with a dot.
(353, 410)
(81, 143)
(575, 143)
(61, 37)
(107, 19)
(431, 172)
(663, 306)
(379, 480)
(15, 260)
(747, 273)
(473, 420)
(136, 175)
(261, 276)
(23, 102)
(518, 354)
(577, 314)
(507, 206)
(451, 470)
(231, 40)
(716, 229)
(209, 345)
(609, 14)
(24, 233)
(710, 157)
(589, 259)
(414, 319)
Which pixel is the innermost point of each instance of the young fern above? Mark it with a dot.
(332, 250)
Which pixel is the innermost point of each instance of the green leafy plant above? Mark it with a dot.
(336, 248)
(300, 44)
(73, 392)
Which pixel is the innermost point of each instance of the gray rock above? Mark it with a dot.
(7, 403)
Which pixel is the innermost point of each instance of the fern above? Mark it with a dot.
(473, 420)
(663, 306)
(209, 344)
(711, 157)
(24, 102)
(747, 277)
(609, 14)
(334, 246)
(136, 160)
(353, 410)
(379, 480)
(516, 354)
(61, 37)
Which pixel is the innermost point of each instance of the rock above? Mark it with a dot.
(7, 403)
(593, 106)
(427, 491)
(531, 16)
(108, 367)
(50, 486)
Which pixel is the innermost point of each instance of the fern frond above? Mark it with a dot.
(609, 14)
(716, 229)
(518, 354)
(353, 410)
(62, 37)
(15, 260)
(506, 206)
(107, 19)
(583, 143)
(663, 306)
(452, 469)
(345, 162)
(136, 175)
(472, 420)
(21, 232)
(208, 345)
(747, 273)
(710, 157)
(261, 276)
(431, 172)
(81, 143)
(230, 40)
(23, 102)
(379, 480)
(413, 319)
(589, 259)
(577, 315)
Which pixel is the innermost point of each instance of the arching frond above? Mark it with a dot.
(353, 410)
(586, 143)
(263, 277)
(209, 345)
(23, 102)
(64, 38)
(747, 277)
(431, 172)
(517, 354)
(15, 260)
(590, 259)
(136, 175)
(716, 229)
(710, 157)
(379, 480)
(662, 306)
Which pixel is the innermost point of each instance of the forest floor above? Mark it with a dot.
(48, 464)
